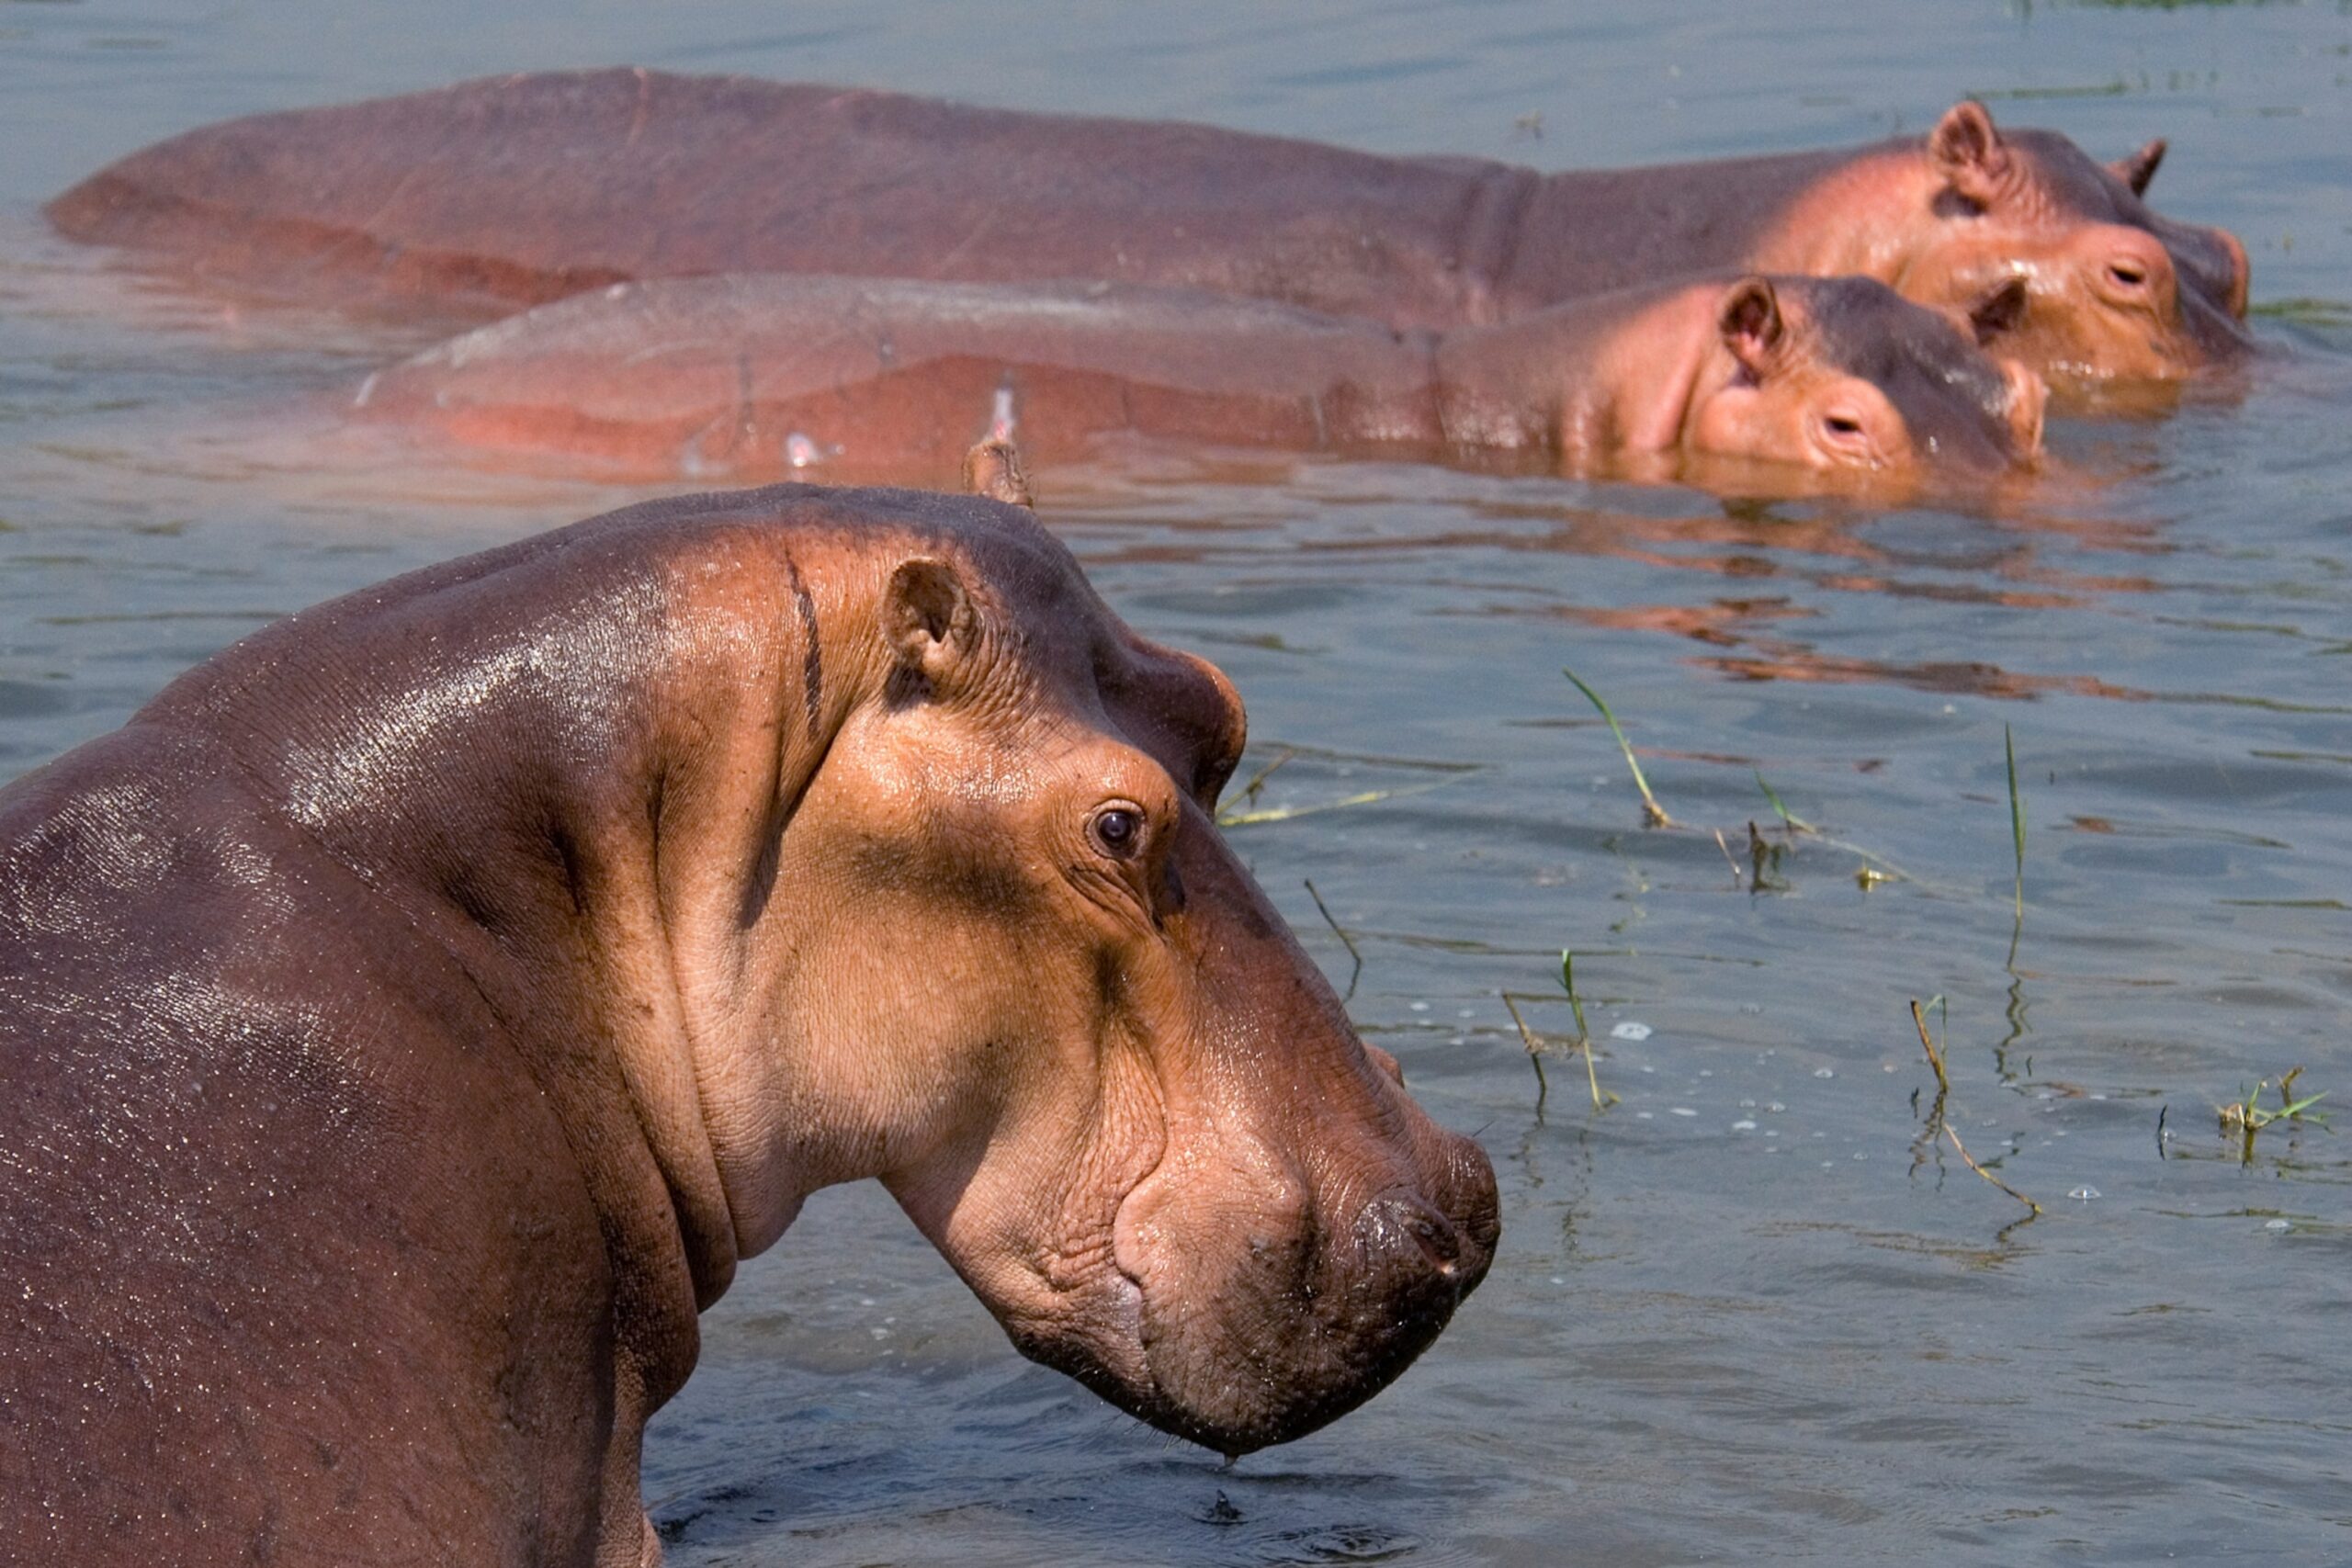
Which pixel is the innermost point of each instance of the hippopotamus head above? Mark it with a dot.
(2114, 289)
(1004, 960)
(1844, 377)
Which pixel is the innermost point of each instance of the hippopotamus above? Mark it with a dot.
(517, 190)
(1797, 381)
(416, 1010)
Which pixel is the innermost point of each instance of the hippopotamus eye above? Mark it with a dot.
(2126, 274)
(1118, 831)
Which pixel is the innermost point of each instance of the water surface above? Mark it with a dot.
(1742, 1314)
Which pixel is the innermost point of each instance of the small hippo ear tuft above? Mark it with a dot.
(993, 469)
(927, 618)
(1968, 152)
(2028, 396)
(2000, 311)
(1749, 320)
(2140, 167)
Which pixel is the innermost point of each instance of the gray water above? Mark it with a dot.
(1742, 1315)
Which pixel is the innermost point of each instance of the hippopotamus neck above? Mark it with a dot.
(1587, 232)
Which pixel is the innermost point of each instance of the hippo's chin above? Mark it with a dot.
(1282, 1360)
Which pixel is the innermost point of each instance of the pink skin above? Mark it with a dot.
(746, 376)
(519, 190)
(2107, 299)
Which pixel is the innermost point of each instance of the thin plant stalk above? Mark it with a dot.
(1534, 1045)
(1584, 1035)
(1936, 1059)
(1345, 940)
(2017, 817)
(1652, 812)
(1789, 819)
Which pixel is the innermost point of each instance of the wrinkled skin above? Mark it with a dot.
(752, 375)
(414, 1013)
(2114, 290)
(519, 190)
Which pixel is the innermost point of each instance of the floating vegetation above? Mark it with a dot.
(2245, 1119)
(1789, 821)
(1937, 1121)
(1244, 811)
(2306, 312)
(1764, 871)
(1536, 1045)
(1652, 812)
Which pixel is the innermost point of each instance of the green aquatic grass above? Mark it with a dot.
(1535, 1043)
(1789, 820)
(2244, 1118)
(1652, 812)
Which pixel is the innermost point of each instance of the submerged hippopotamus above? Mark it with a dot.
(521, 190)
(1825, 380)
(415, 1012)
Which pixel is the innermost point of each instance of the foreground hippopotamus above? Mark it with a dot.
(1791, 382)
(414, 1014)
(521, 189)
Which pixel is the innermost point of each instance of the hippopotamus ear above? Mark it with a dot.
(929, 618)
(2000, 309)
(2140, 167)
(1749, 320)
(1968, 152)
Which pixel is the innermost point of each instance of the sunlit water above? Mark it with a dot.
(1742, 1315)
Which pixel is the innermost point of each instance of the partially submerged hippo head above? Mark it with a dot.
(1843, 376)
(1009, 964)
(1785, 383)
(2114, 289)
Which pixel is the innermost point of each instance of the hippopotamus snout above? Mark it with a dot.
(1425, 1255)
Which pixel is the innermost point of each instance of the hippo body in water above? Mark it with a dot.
(518, 190)
(417, 1010)
(1796, 381)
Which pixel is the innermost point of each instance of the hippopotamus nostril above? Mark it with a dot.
(1400, 1229)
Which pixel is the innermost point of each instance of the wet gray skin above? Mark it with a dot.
(1951, 394)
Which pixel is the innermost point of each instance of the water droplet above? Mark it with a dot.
(1629, 1030)
(1825, 1072)
(1743, 1126)
(801, 452)
(2083, 1194)
(2277, 1225)
(1681, 1111)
